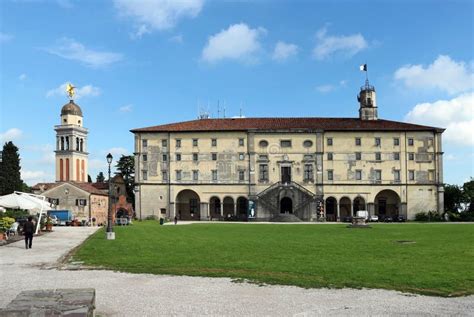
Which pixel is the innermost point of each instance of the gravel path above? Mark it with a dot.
(124, 294)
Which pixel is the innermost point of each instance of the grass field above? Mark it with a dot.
(440, 262)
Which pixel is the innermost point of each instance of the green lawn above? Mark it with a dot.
(441, 262)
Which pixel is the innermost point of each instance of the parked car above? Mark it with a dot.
(347, 219)
(388, 219)
(54, 220)
(364, 214)
(374, 218)
(400, 219)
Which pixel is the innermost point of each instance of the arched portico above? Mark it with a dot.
(387, 204)
(331, 209)
(286, 205)
(228, 206)
(242, 208)
(188, 205)
(345, 207)
(215, 208)
(359, 204)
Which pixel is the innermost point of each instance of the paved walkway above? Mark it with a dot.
(124, 294)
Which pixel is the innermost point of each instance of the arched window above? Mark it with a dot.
(61, 169)
(62, 143)
(82, 145)
(67, 143)
(77, 144)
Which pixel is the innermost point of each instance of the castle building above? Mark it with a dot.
(266, 168)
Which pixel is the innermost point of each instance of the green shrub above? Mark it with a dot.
(431, 216)
(15, 213)
(421, 216)
(151, 217)
(6, 223)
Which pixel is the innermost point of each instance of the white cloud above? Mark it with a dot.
(22, 77)
(284, 51)
(151, 15)
(37, 176)
(12, 134)
(177, 39)
(4, 37)
(325, 88)
(126, 108)
(347, 45)
(456, 115)
(238, 42)
(71, 49)
(444, 74)
(84, 91)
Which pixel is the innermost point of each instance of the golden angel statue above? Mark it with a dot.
(70, 90)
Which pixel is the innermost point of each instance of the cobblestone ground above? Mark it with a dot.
(124, 294)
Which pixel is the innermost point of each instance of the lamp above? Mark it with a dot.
(110, 230)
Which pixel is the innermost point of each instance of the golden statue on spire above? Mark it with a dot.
(70, 90)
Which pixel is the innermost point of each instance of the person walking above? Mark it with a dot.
(28, 230)
(175, 220)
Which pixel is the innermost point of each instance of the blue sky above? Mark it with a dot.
(142, 63)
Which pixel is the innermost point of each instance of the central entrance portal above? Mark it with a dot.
(286, 205)
(286, 174)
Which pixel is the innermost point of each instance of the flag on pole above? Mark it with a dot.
(363, 68)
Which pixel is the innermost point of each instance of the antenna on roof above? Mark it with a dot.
(218, 109)
(202, 114)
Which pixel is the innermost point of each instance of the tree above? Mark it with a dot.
(126, 167)
(10, 177)
(100, 178)
(89, 178)
(453, 197)
(468, 189)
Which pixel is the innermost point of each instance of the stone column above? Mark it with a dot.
(338, 211)
(221, 208)
(371, 209)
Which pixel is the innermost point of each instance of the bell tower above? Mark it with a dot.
(366, 99)
(71, 143)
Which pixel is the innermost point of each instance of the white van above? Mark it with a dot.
(364, 214)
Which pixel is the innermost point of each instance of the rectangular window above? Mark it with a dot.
(195, 142)
(144, 143)
(378, 156)
(164, 174)
(213, 142)
(81, 202)
(165, 157)
(410, 141)
(411, 175)
(285, 143)
(330, 156)
(214, 156)
(164, 143)
(144, 175)
(193, 206)
(195, 157)
(178, 142)
(358, 142)
(430, 142)
(396, 141)
(431, 175)
(329, 141)
(214, 175)
(178, 175)
(54, 201)
(241, 142)
(358, 175)
(178, 156)
(195, 175)
(358, 156)
(308, 172)
(411, 156)
(378, 142)
(263, 172)
(241, 175)
(378, 175)
(145, 157)
(396, 156)
(330, 175)
(241, 156)
(396, 175)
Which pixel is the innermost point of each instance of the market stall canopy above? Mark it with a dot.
(23, 201)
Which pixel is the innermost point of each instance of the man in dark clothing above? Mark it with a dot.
(28, 230)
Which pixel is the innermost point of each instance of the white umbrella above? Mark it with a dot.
(16, 201)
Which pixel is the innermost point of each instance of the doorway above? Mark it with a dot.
(286, 205)
(285, 174)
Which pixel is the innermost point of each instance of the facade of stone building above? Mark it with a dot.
(82, 199)
(264, 168)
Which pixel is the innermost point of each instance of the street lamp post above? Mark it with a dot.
(110, 229)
